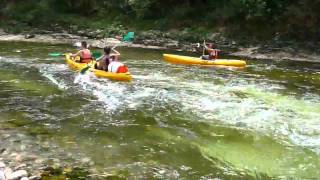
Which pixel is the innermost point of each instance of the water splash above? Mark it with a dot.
(259, 106)
(51, 71)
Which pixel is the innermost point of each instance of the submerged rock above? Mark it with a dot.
(241, 124)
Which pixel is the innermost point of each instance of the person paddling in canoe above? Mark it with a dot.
(109, 62)
(84, 53)
(212, 53)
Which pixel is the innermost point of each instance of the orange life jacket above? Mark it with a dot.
(117, 67)
(122, 69)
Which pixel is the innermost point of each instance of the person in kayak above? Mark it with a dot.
(84, 53)
(104, 60)
(109, 61)
(212, 53)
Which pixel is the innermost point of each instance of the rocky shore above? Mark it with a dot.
(165, 40)
(6, 173)
(20, 159)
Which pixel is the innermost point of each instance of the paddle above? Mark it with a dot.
(96, 55)
(56, 54)
(127, 38)
(204, 45)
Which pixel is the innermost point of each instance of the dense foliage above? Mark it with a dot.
(299, 19)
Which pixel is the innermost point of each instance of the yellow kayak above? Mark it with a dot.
(98, 73)
(177, 59)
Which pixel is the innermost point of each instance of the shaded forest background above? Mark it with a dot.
(261, 19)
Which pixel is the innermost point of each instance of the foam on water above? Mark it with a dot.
(50, 71)
(260, 109)
(12, 60)
(258, 106)
(107, 92)
(114, 95)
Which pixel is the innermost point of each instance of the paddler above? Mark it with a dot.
(109, 61)
(212, 53)
(84, 53)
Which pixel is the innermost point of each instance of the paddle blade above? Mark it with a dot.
(129, 37)
(84, 70)
(56, 54)
(96, 55)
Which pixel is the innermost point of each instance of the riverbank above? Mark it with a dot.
(6, 173)
(160, 40)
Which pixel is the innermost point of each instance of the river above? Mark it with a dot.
(170, 122)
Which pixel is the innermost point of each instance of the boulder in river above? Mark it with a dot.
(29, 36)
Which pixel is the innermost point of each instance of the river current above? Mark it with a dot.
(171, 121)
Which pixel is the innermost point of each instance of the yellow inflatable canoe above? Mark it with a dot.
(177, 59)
(98, 73)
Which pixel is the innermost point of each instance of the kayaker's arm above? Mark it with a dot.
(76, 54)
(205, 46)
(116, 53)
(210, 49)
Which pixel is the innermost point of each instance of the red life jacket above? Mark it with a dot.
(85, 56)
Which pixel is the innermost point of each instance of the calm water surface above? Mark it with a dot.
(171, 121)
